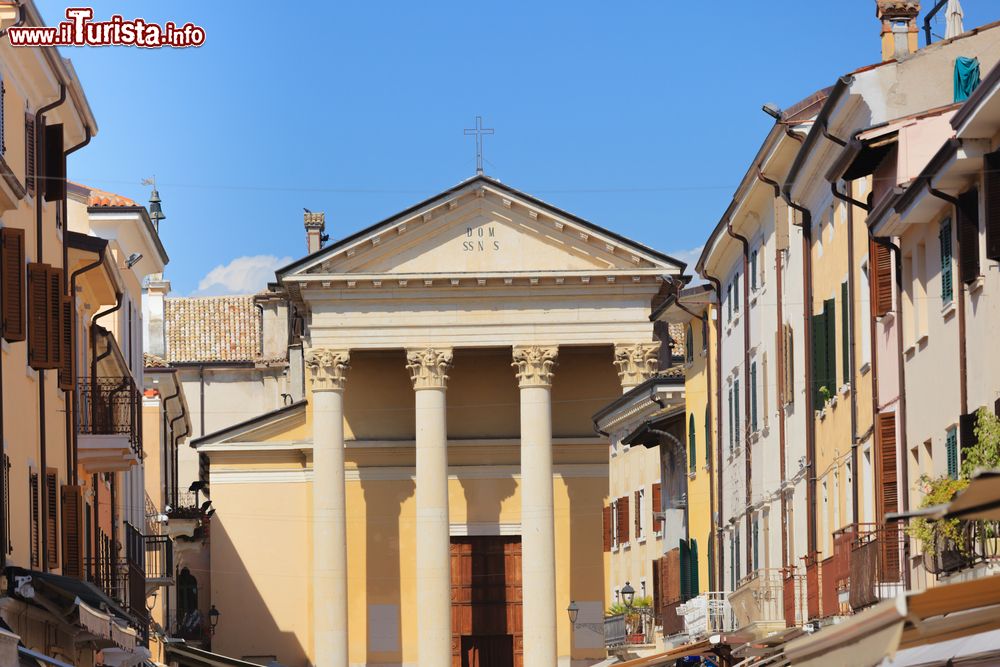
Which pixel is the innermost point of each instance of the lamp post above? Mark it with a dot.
(573, 611)
(213, 618)
(628, 595)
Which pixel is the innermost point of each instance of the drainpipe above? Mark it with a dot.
(177, 392)
(201, 398)
(851, 344)
(746, 393)
(20, 20)
(963, 380)
(902, 450)
(73, 476)
(719, 551)
(780, 350)
(67, 281)
(39, 255)
(93, 338)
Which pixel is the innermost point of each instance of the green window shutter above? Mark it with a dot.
(951, 453)
(753, 397)
(685, 566)
(753, 270)
(756, 542)
(694, 568)
(818, 358)
(692, 452)
(732, 429)
(711, 563)
(737, 428)
(729, 304)
(830, 312)
(708, 438)
(688, 347)
(845, 332)
(946, 277)
(736, 292)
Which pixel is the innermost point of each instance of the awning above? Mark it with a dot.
(34, 658)
(974, 648)
(189, 656)
(703, 647)
(860, 640)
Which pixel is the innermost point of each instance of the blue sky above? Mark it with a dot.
(640, 116)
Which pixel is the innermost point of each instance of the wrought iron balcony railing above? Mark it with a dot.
(633, 628)
(110, 406)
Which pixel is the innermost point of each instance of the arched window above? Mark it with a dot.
(692, 453)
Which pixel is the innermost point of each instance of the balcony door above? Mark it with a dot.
(486, 601)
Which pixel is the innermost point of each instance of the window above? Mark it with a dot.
(708, 438)
(692, 451)
(736, 293)
(736, 411)
(35, 530)
(732, 562)
(29, 153)
(967, 231)
(951, 452)
(946, 276)
(732, 428)
(753, 396)
(51, 517)
(688, 344)
(657, 506)
(845, 333)
(693, 577)
(824, 359)
(991, 211)
(704, 332)
(865, 310)
(788, 387)
(729, 303)
(12, 285)
(753, 270)
(756, 542)
(640, 495)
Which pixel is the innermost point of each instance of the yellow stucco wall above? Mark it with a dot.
(697, 399)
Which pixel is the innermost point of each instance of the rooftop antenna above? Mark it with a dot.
(479, 131)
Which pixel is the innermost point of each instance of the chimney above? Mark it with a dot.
(899, 27)
(155, 334)
(315, 226)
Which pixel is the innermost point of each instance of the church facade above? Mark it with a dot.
(436, 498)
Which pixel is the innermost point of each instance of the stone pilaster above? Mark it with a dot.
(534, 366)
(328, 370)
(429, 372)
(636, 362)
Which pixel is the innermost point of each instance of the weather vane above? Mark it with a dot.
(479, 131)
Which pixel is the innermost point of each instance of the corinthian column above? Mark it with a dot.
(429, 371)
(636, 362)
(534, 366)
(328, 370)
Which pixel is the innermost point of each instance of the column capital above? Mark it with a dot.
(534, 364)
(328, 368)
(429, 367)
(636, 362)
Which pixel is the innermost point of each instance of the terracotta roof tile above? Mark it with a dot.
(110, 199)
(153, 361)
(213, 328)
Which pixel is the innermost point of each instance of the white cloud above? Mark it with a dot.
(689, 257)
(243, 275)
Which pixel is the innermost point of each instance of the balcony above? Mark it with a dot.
(631, 630)
(976, 553)
(758, 602)
(706, 614)
(109, 413)
(876, 564)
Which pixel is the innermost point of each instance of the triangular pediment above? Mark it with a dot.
(482, 227)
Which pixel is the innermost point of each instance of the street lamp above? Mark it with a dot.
(574, 611)
(628, 594)
(213, 617)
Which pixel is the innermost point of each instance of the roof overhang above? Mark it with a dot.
(684, 306)
(112, 221)
(655, 394)
(951, 171)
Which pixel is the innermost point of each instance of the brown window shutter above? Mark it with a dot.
(657, 507)
(12, 292)
(54, 164)
(35, 514)
(638, 515)
(882, 285)
(66, 380)
(30, 167)
(991, 213)
(887, 484)
(657, 608)
(39, 350)
(670, 573)
(607, 527)
(968, 235)
(54, 315)
(52, 516)
(623, 520)
(72, 531)
(788, 366)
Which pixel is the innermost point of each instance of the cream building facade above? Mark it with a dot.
(443, 459)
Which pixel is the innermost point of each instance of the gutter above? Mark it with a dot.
(39, 257)
(72, 419)
(963, 378)
(746, 393)
(717, 515)
(73, 474)
(166, 453)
